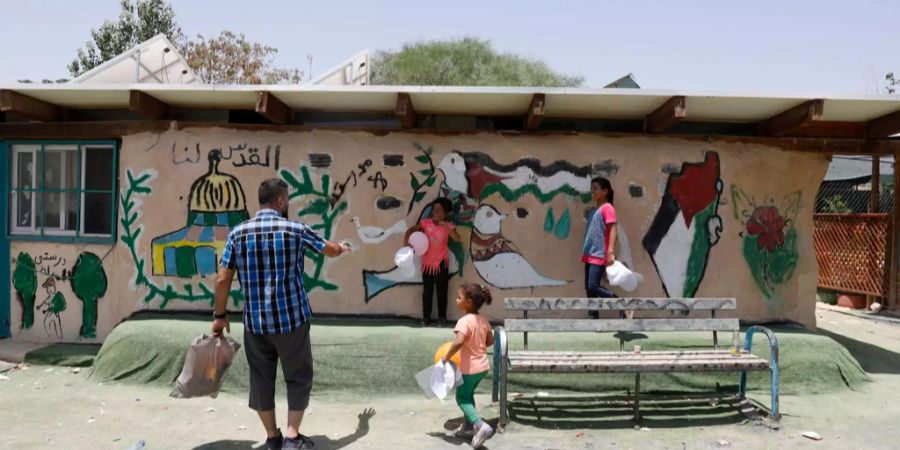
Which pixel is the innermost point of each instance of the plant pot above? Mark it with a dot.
(854, 301)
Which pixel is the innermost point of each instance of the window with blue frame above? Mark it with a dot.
(62, 189)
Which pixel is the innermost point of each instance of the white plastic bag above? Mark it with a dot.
(207, 360)
(620, 275)
(404, 259)
(439, 380)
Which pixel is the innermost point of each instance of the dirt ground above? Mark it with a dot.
(53, 407)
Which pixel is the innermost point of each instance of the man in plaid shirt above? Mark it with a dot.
(267, 252)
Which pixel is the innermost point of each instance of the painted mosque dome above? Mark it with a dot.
(216, 204)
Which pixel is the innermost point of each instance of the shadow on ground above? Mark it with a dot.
(322, 442)
(658, 410)
(872, 358)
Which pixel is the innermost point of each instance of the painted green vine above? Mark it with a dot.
(320, 206)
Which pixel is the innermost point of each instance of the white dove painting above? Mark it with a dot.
(497, 259)
(375, 235)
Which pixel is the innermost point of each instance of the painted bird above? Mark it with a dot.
(374, 235)
(497, 259)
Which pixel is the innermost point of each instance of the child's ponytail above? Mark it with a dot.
(478, 294)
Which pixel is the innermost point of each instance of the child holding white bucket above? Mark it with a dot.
(473, 336)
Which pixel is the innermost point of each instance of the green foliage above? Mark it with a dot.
(138, 21)
(467, 61)
(231, 59)
(837, 205)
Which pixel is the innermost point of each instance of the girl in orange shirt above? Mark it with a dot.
(473, 336)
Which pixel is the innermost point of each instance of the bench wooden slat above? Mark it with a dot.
(631, 325)
(620, 304)
(644, 356)
(539, 353)
(635, 366)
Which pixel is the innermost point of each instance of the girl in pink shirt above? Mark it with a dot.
(436, 260)
(473, 336)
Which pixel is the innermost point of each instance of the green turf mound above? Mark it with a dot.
(71, 355)
(380, 357)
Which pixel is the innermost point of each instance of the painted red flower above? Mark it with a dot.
(768, 227)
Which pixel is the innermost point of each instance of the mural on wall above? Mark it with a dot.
(88, 281)
(325, 207)
(559, 228)
(497, 259)
(25, 284)
(240, 155)
(769, 240)
(215, 205)
(468, 179)
(136, 187)
(686, 226)
(54, 304)
(375, 235)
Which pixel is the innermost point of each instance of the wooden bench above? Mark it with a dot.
(712, 360)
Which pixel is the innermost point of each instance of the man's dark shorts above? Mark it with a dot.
(263, 353)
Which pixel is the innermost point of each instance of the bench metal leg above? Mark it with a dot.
(773, 365)
(495, 373)
(503, 369)
(637, 397)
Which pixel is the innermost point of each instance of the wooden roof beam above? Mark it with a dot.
(273, 109)
(884, 126)
(148, 106)
(405, 111)
(535, 112)
(794, 119)
(666, 116)
(21, 104)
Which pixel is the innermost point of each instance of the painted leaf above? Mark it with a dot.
(419, 196)
(429, 151)
(414, 182)
(426, 172)
(741, 203)
(418, 146)
(317, 207)
(563, 226)
(549, 221)
(422, 159)
(430, 181)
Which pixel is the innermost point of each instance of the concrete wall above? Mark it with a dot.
(696, 219)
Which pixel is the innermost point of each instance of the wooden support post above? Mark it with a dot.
(895, 238)
(405, 111)
(792, 120)
(148, 106)
(666, 116)
(14, 102)
(875, 193)
(273, 109)
(884, 126)
(874, 208)
(535, 113)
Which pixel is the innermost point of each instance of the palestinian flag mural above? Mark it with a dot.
(686, 226)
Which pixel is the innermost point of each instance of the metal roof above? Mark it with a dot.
(844, 168)
(486, 101)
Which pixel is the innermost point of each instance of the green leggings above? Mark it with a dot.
(465, 396)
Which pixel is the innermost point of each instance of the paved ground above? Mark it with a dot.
(47, 407)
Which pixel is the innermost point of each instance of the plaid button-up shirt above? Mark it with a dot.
(267, 251)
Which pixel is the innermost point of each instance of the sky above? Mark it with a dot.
(787, 47)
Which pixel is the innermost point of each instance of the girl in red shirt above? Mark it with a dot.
(436, 260)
